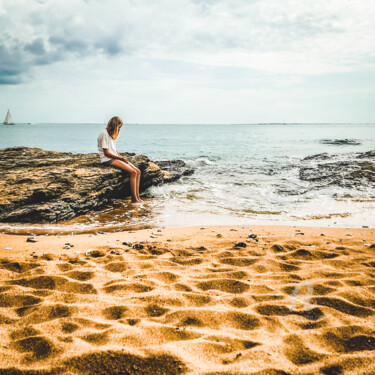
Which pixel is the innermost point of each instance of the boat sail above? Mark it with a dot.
(8, 119)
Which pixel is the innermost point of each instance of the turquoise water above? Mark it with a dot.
(243, 173)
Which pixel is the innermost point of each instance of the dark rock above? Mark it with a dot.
(340, 142)
(127, 244)
(138, 246)
(174, 169)
(252, 235)
(40, 186)
(348, 170)
(372, 246)
(31, 239)
(240, 244)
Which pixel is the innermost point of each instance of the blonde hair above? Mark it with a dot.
(114, 126)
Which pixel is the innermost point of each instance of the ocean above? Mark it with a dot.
(244, 174)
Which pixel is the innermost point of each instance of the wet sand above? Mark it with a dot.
(293, 300)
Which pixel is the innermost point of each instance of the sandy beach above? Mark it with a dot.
(290, 300)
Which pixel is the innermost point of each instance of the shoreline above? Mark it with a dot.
(55, 242)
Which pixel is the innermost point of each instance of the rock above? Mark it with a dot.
(169, 240)
(67, 246)
(349, 170)
(240, 244)
(40, 186)
(219, 235)
(31, 239)
(252, 235)
(8, 248)
(127, 244)
(174, 169)
(372, 246)
(138, 246)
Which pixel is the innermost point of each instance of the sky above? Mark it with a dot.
(188, 61)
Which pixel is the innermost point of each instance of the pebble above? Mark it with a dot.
(240, 244)
(203, 228)
(364, 226)
(219, 235)
(169, 240)
(372, 246)
(349, 234)
(67, 247)
(322, 234)
(300, 233)
(127, 244)
(7, 248)
(213, 230)
(138, 246)
(69, 244)
(153, 236)
(252, 235)
(31, 239)
(233, 230)
(159, 230)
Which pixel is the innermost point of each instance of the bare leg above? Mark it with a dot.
(138, 180)
(133, 177)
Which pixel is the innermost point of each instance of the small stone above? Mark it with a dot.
(7, 248)
(372, 246)
(202, 228)
(233, 230)
(365, 226)
(219, 235)
(252, 235)
(240, 244)
(138, 246)
(169, 240)
(67, 247)
(159, 230)
(69, 244)
(127, 244)
(101, 232)
(348, 234)
(31, 239)
(323, 234)
(300, 233)
(152, 236)
(213, 230)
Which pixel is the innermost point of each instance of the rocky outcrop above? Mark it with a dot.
(350, 170)
(48, 186)
(175, 169)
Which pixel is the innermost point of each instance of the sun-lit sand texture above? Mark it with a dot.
(185, 300)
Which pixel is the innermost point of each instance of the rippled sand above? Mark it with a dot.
(195, 304)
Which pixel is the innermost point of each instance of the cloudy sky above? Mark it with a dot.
(188, 61)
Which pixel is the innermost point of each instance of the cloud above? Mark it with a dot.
(280, 37)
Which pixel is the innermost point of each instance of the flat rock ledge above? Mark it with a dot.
(39, 186)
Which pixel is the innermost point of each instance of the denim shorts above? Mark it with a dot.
(108, 162)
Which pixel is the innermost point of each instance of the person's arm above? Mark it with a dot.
(122, 158)
(113, 156)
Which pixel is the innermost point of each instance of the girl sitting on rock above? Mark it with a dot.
(109, 155)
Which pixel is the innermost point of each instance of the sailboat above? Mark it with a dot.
(8, 119)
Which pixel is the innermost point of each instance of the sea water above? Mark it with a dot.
(243, 173)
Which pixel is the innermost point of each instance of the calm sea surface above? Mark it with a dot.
(244, 174)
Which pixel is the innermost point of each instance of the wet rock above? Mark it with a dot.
(40, 186)
(349, 170)
(175, 169)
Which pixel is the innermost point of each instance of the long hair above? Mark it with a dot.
(114, 126)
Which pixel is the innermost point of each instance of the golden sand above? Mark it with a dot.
(295, 300)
